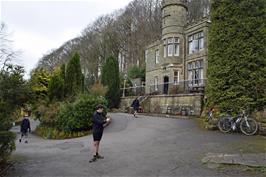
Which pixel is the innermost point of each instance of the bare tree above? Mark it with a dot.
(55, 58)
(138, 26)
(198, 9)
(125, 33)
(7, 54)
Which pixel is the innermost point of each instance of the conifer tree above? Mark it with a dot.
(237, 55)
(73, 77)
(110, 78)
(56, 87)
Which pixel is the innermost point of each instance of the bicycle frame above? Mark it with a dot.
(242, 122)
(235, 121)
(246, 120)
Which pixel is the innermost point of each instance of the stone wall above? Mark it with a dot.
(187, 104)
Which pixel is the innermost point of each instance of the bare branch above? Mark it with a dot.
(7, 54)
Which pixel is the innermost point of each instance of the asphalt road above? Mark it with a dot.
(143, 146)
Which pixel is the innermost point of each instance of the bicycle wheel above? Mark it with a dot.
(225, 124)
(249, 126)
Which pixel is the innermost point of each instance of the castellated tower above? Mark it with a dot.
(174, 15)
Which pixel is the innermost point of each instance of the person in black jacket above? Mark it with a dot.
(25, 128)
(135, 104)
(98, 122)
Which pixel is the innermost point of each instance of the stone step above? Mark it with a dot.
(253, 160)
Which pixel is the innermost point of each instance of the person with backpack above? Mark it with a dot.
(98, 122)
(25, 128)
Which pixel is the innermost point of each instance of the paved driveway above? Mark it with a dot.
(145, 146)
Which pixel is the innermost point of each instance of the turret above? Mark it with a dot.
(174, 17)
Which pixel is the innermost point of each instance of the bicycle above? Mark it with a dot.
(248, 126)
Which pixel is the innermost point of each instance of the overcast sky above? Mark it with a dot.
(39, 26)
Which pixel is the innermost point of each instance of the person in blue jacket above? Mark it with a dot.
(98, 122)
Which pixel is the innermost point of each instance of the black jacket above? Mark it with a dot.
(25, 125)
(135, 104)
(98, 121)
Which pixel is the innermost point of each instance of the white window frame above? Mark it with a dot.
(157, 56)
(156, 83)
(146, 56)
(190, 45)
(176, 47)
(176, 77)
(195, 73)
(195, 45)
(195, 42)
(170, 46)
(165, 50)
(201, 72)
(190, 78)
(201, 41)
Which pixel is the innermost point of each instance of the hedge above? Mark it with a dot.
(7, 145)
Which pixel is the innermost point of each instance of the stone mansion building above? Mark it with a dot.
(177, 62)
